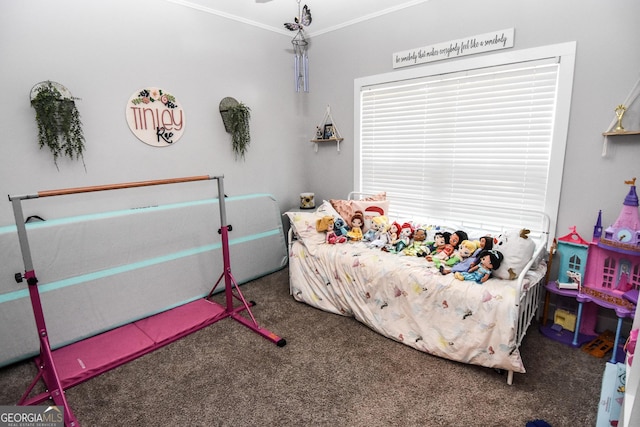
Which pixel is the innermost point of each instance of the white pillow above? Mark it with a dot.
(304, 223)
(517, 248)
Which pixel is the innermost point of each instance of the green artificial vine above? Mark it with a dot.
(59, 125)
(238, 120)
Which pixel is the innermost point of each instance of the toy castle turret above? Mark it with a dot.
(613, 267)
(624, 234)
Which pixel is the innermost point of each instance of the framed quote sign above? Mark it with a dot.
(155, 117)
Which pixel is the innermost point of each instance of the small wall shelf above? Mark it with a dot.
(322, 129)
(624, 132)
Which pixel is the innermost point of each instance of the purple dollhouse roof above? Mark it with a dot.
(632, 197)
(624, 234)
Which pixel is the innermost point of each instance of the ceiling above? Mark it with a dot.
(327, 15)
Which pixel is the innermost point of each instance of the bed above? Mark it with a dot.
(406, 298)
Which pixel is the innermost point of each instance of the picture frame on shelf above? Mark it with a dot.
(329, 131)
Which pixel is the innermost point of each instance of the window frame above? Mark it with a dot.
(565, 54)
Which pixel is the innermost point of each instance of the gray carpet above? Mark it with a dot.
(332, 372)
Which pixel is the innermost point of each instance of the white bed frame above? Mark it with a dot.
(530, 294)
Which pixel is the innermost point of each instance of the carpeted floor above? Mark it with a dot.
(333, 371)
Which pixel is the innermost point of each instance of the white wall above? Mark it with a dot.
(105, 51)
(607, 65)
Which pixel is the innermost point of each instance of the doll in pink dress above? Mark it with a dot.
(326, 224)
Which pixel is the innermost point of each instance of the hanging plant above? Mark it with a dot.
(58, 120)
(236, 116)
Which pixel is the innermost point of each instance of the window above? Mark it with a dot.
(488, 130)
(575, 263)
(608, 272)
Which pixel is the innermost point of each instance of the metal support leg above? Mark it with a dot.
(46, 369)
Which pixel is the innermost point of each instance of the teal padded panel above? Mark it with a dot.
(100, 271)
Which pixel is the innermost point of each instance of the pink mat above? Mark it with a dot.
(93, 356)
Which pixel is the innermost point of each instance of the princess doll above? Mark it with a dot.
(326, 223)
(357, 221)
(480, 273)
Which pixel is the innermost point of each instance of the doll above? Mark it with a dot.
(450, 247)
(484, 243)
(380, 237)
(489, 260)
(326, 223)
(392, 237)
(357, 221)
(404, 237)
(457, 237)
(461, 260)
(375, 224)
(418, 247)
(440, 247)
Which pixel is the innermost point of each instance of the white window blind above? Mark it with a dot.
(478, 136)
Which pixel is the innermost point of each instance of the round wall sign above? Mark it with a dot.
(155, 117)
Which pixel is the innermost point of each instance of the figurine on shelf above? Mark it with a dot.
(620, 109)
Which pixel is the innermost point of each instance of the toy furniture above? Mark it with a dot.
(611, 274)
(571, 251)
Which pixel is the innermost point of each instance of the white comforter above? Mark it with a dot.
(406, 299)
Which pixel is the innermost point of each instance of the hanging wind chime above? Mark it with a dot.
(300, 45)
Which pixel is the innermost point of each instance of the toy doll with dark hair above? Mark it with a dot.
(457, 237)
(489, 260)
(442, 251)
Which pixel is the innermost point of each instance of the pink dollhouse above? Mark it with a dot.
(613, 266)
(612, 272)
(606, 269)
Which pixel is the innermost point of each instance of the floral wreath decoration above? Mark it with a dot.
(145, 96)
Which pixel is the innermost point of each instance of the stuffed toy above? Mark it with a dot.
(457, 237)
(357, 221)
(419, 245)
(326, 224)
(490, 260)
(442, 249)
(378, 234)
(404, 238)
(393, 233)
(461, 260)
(373, 232)
(517, 248)
(340, 226)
